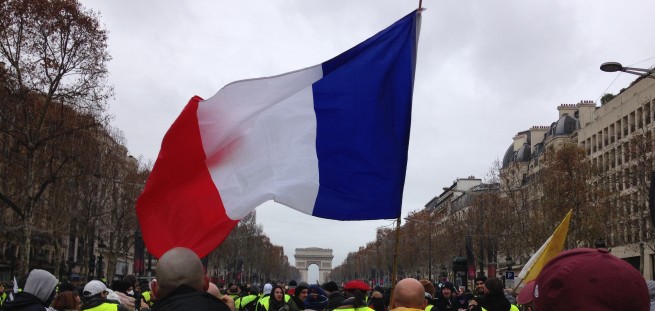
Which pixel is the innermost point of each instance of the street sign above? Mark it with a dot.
(509, 275)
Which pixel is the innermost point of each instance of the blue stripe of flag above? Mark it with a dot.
(363, 109)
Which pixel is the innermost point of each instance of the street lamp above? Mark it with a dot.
(615, 66)
(101, 268)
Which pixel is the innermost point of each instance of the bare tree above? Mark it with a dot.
(55, 54)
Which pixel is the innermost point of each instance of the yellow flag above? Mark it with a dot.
(546, 252)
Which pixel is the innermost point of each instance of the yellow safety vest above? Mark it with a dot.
(146, 297)
(266, 300)
(511, 308)
(107, 306)
(429, 307)
(245, 300)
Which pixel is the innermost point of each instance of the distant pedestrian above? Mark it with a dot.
(38, 293)
(248, 302)
(67, 301)
(277, 301)
(299, 295)
(448, 299)
(355, 293)
(494, 298)
(479, 286)
(316, 299)
(95, 295)
(334, 295)
(429, 289)
(376, 300)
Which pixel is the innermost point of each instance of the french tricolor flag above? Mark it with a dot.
(329, 140)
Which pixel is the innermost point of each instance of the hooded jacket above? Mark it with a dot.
(37, 294)
(24, 302)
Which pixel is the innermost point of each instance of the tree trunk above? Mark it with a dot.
(24, 258)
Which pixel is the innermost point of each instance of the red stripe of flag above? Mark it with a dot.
(180, 205)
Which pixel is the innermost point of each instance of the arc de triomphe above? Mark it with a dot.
(322, 257)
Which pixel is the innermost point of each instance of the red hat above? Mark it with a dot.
(527, 294)
(356, 284)
(590, 279)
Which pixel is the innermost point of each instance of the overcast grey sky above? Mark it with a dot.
(485, 71)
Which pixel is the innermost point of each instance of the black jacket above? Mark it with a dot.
(24, 302)
(188, 298)
(494, 303)
(334, 300)
(443, 304)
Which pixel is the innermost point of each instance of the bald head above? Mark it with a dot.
(409, 293)
(179, 266)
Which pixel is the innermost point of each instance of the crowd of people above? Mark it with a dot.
(578, 279)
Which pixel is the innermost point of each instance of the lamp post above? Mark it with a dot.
(101, 268)
(615, 66)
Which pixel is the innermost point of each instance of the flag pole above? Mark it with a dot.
(420, 5)
(395, 262)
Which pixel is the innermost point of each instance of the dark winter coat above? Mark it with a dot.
(443, 304)
(188, 298)
(494, 303)
(24, 302)
(334, 300)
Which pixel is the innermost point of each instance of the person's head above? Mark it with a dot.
(316, 298)
(254, 289)
(479, 284)
(267, 289)
(67, 300)
(130, 280)
(301, 292)
(179, 266)
(95, 289)
(41, 284)
(428, 287)
(448, 289)
(494, 287)
(277, 293)
(409, 293)
(589, 279)
(234, 289)
(330, 287)
(357, 289)
(66, 287)
(122, 287)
